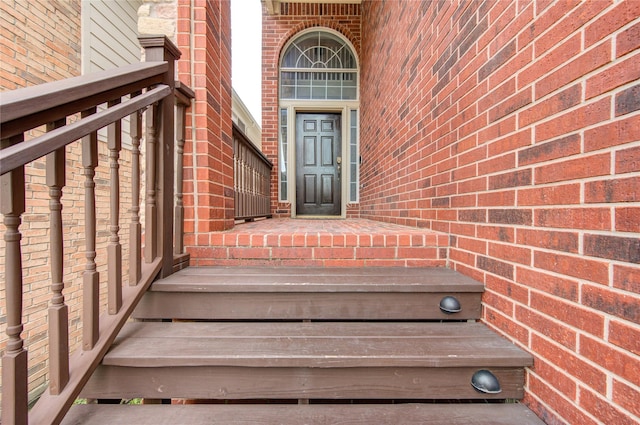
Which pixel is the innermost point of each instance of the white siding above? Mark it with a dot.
(109, 34)
(110, 40)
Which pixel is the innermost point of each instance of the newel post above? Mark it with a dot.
(160, 49)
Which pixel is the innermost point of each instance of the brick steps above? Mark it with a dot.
(323, 243)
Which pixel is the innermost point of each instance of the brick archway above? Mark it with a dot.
(278, 30)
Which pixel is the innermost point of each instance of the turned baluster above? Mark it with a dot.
(254, 187)
(240, 206)
(236, 174)
(151, 227)
(91, 278)
(243, 182)
(58, 310)
(179, 207)
(14, 361)
(245, 197)
(114, 248)
(135, 228)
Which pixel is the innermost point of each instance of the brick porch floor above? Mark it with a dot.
(323, 242)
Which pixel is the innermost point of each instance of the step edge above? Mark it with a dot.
(314, 288)
(200, 414)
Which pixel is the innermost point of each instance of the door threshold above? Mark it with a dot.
(319, 217)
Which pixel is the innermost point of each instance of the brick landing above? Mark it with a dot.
(323, 242)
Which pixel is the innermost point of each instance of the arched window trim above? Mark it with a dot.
(296, 81)
(346, 43)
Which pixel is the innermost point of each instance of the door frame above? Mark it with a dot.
(316, 107)
(300, 170)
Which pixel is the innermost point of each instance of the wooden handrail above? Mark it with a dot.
(29, 100)
(133, 91)
(24, 153)
(30, 107)
(252, 173)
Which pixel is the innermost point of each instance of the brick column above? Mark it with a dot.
(202, 32)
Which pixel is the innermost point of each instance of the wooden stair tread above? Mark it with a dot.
(316, 279)
(314, 414)
(268, 293)
(313, 345)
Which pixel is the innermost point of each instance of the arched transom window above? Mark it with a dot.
(319, 65)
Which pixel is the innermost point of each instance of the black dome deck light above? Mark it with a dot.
(485, 382)
(450, 305)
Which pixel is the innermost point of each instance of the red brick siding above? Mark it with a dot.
(513, 126)
(205, 66)
(276, 31)
(40, 42)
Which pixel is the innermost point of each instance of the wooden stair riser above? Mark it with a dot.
(301, 306)
(293, 383)
(314, 414)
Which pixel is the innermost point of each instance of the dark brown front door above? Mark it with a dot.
(318, 164)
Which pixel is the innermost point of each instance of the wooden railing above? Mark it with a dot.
(101, 100)
(251, 179)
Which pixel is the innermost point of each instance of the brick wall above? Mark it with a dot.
(277, 30)
(204, 37)
(515, 127)
(202, 32)
(40, 42)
